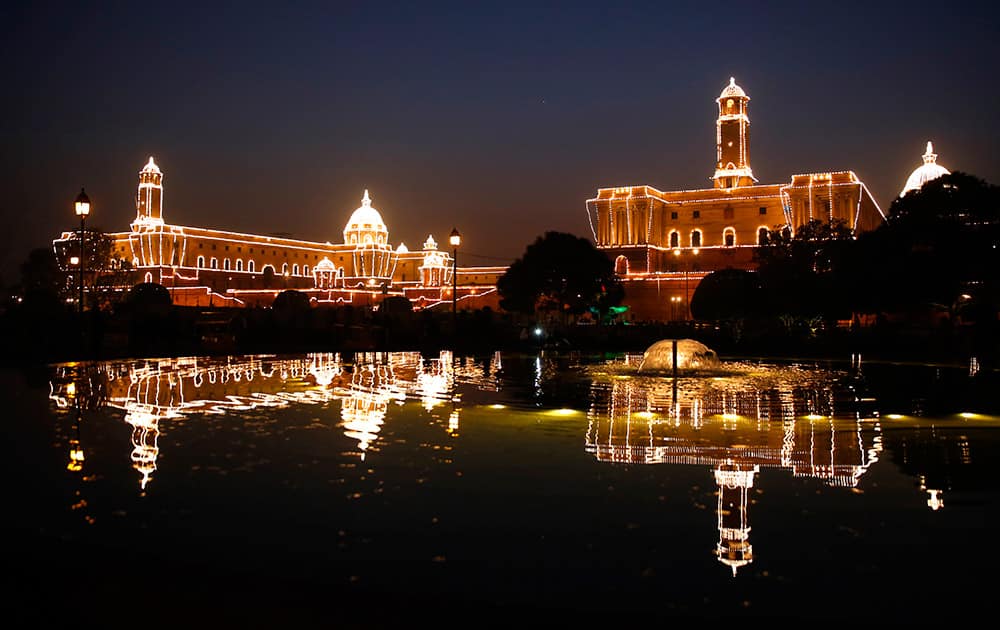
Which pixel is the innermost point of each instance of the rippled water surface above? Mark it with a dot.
(378, 489)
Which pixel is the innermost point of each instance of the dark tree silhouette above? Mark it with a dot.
(560, 273)
(727, 294)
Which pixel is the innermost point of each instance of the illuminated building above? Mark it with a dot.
(664, 242)
(924, 173)
(208, 267)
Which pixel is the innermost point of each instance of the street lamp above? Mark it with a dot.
(455, 239)
(82, 206)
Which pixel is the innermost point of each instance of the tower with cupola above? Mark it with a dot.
(732, 139)
(149, 198)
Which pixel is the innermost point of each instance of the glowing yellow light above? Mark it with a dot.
(71, 389)
(74, 260)
(894, 416)
(498, 406)
(814, 416)
(562, 412)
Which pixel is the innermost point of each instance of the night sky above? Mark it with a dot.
(498, 119)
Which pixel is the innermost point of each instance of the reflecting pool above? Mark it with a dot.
(380, 488)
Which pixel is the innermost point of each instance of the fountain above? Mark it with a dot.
(691, 356)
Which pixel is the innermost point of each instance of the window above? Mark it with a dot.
(225, 263)
(214, 264)
(729, 237)
(201, 245)
(213, 247)
(295, 269)
(763, 236)
(727, 213)
(621, 266)
(305, 270)
(675, 239)
(250, 266)
(695, 237)
(762, 211)
(284, 269)
(239, 265)
(696, 214)
(201, 262)
(673, 215)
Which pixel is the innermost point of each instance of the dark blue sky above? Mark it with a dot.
(500, 119)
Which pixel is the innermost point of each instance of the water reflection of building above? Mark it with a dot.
(736, 425)
(152, 391)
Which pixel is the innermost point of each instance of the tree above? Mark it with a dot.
(560, 273)
(802, 274)
(938, 249)
(727, 294)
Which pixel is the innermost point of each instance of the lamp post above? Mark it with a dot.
(82, 207)
(455, 239)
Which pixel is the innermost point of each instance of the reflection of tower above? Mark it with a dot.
(145, 431)
(734, 546)
(363, 411)
(934, 500)
(732, 139)
(149, 198)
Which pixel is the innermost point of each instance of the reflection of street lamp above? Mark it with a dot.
(82, 206)
(455, 239)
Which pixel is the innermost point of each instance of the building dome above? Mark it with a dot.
(929, 170)
(732, 90)
(366, 225)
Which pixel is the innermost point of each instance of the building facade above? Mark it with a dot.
(664, 242)
(209, 267)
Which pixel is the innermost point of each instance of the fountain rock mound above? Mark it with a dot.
(691, 356)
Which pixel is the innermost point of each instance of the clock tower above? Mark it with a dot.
(732, 139)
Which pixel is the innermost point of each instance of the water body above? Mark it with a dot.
(378, 489)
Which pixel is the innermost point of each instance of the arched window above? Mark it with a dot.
(305, 270)
(250, 266)
(695, 238)
(295, 269)
(675, 239)
(239, 264)
(214, 263)
(284, 269)
(225, 264)
(729, 237)
(201, 262)
(621, 266)
(762, 236)
(149, 277)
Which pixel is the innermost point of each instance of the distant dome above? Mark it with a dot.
(366, 225)
(929, 170)
(732, 90)
(402, 249)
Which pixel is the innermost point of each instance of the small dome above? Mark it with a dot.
(366, 221)
(929, 170)
(430, 243)
(402, 249)
(151, 167)
(732, 90)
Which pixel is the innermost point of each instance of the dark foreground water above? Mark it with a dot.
(376, 490)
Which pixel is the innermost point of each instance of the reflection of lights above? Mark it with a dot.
(71, 389)
(935, 502)
(75, 456)
(894, 416)
(498, 406)
(538, 332)
(562, 412)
